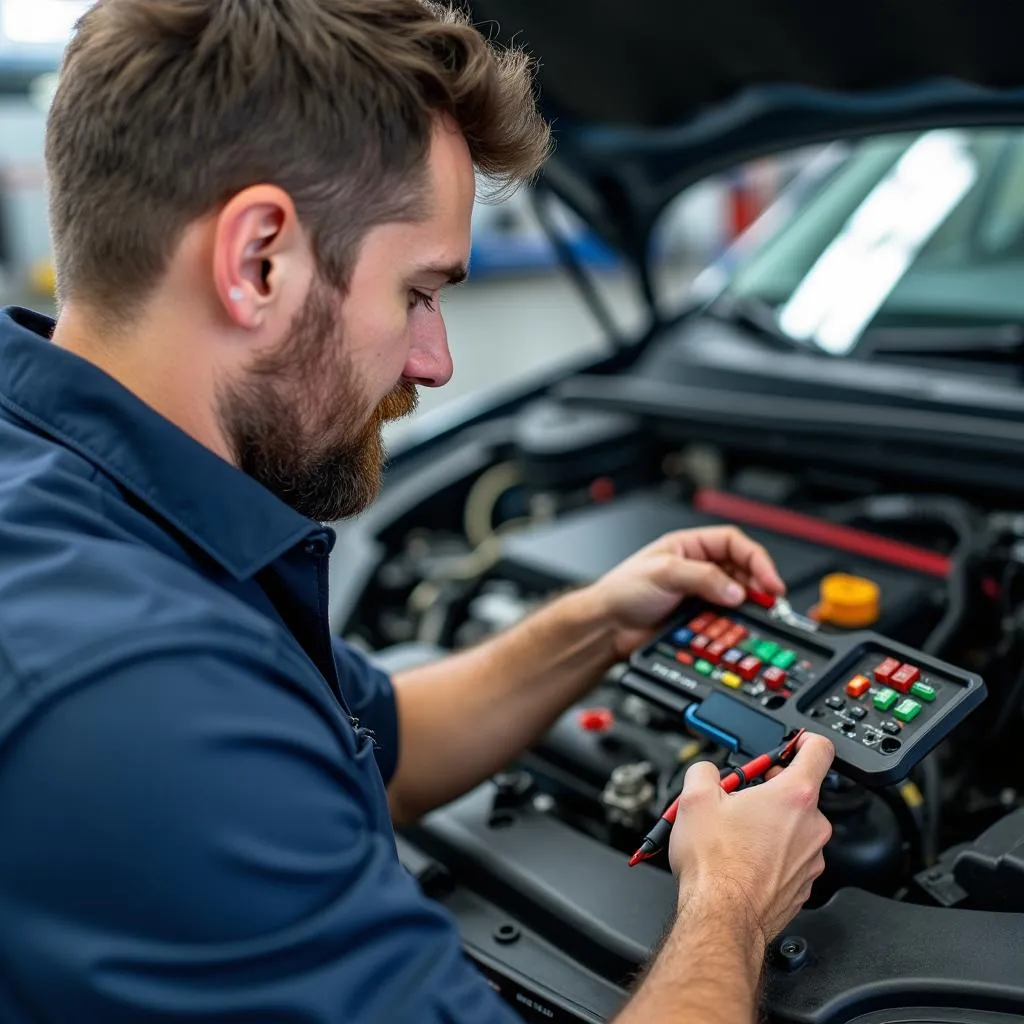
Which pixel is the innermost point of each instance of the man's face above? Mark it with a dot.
(305, 420)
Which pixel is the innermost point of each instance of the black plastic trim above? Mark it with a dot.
(865, 952)
(738, 409)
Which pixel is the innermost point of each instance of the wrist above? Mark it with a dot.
(584, 620)
(563, 648)
(709, 968)
(588, 608)
(729, 912)
(592, 604)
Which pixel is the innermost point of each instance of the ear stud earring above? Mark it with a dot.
(236, 295)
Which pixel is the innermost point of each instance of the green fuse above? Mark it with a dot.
(885, 699)
(922, 691)
(907, 710)
(766, 650)
(705, 668)
(784, 659)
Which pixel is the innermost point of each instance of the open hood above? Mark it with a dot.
(649, 96)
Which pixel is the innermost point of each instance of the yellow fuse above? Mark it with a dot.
(731, 679)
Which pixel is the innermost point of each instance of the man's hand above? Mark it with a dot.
(761, 847)
(746, 862)
(716, 562)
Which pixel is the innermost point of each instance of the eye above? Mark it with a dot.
(418, 298)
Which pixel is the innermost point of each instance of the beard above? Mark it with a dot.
(298, 424)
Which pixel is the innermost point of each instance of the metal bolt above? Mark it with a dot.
(543, 803)
(506, 934)
(636, 710)
(629, 779)
(791, 953)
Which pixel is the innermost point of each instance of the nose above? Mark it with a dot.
(430, 361)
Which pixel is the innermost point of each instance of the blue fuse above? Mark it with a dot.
(683, 637)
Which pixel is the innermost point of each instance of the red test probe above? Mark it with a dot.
(732, 779)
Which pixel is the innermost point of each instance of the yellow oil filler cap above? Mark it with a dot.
(850, 602)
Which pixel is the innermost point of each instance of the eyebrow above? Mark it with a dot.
(454, 273)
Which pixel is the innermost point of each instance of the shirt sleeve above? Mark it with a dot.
(371, 699)
(191, 837)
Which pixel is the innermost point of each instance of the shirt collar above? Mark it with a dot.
(234, 519)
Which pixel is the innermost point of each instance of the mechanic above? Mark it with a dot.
(254, 208)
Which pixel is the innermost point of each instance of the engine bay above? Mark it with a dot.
(924, 879)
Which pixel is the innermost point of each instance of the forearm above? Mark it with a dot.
(465, 716)
(708, 969)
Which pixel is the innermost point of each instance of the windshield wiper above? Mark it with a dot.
(756, 317)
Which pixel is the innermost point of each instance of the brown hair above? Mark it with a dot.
(167, 108)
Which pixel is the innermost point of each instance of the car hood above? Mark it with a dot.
(649, 96)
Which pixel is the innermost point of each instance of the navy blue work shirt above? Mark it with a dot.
(193, 817)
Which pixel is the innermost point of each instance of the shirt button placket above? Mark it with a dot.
(316, 546)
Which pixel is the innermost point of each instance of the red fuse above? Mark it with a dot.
(734, 636)
(718, 628)
(699, 624)
(774, 678)
(904, 678)
(749, 667)
(714, 651)
(761, 598)
(699, 644)
(885, 671)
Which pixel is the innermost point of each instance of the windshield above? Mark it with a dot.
(908, 232)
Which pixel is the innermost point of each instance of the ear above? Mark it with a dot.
(260, 254)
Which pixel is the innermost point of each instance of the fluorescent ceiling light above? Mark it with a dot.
(46, 22)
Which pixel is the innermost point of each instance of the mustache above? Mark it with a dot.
(401, 401)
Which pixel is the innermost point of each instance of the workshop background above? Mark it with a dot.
(519, 316)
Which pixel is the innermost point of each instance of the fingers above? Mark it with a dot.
(728, 545)
(702, 780)
(762, 568)
(814, 756)
(704, 579)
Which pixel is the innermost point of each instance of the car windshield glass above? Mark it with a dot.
(912, 232)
